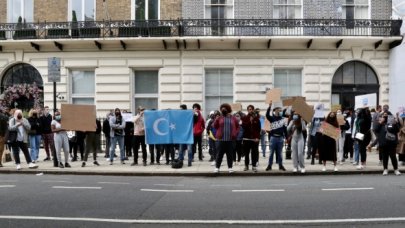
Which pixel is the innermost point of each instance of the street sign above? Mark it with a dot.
(53, 69)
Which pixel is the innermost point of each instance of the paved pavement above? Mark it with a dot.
(198, 168)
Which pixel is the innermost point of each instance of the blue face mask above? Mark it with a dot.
(295, 117)
(58, 117)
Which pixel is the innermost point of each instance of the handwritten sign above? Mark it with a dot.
(236, 107)
(329, 130)
(78, 117)
(273, 95)
(335, 107)
(341, 120)
(367, 100)
(290, 101)
(301, 107)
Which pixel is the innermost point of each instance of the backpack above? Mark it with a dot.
(177, 164)
(389, 136)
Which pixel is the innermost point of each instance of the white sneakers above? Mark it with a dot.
(335, 169)
(216, 170)
(397, 172)
(323, 168)
(230, 170)
(295, 170)
(32, 166)
(213, 163)
(303, 170)
(360, 167)
(18, 167)
(385, 172)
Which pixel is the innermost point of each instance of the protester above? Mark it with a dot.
(297, 127)
(117, 126)
(375, 117)
(314, 131)
(277, 135)
(169, 151)
(3, 130)
(21, 126)
(341, 141)
(79, 145)
(211, 136)
(262, 132)
(184, 147)
(348, 145)
(34, 134)
(401, 136)
(72, 141)
(61, 140)
(363, 126)
(93, 144)
(251, 137)
(152, 149)
(129, 137)
(198, 129)
(387, 129)
(238, 150)
(47, 134)
(139, 136)
(227, 130)
(106, 131)
(327, 145)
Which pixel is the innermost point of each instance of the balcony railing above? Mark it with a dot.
(200, 27)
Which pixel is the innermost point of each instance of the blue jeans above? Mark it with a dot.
(263, 143)
(189, 149)
(35, 140)
(276, 144)
(356, 151)
(114, 141)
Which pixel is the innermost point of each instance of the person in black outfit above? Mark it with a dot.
(80, 136)
(106, 131)
(129, 134)
(363, 125)
(47, 136)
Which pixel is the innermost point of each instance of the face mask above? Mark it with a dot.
(117, 114)
(58, 117)
(34, 115)
(345, 115)
(19, 117)
(295, 117)
(224, 112)
(385, 109)
(339, 113)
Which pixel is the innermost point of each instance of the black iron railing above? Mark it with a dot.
(200, 27)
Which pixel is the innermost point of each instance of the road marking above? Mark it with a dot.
(225, 185)
(8, 181)
(260, 190)
(71, 187)
(164, 190)
(346, 189)
(113, 183)
(169, 184)
(7, 186)
(56, 181)
(254, 222)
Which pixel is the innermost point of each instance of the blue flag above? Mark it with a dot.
(169, 127)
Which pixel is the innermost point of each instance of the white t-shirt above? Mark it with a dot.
(57, 126)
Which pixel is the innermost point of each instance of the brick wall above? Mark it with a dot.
(381, 9)
(3, 11)
(193, 9)
(118, 9)
(170, 9)
(50, 10)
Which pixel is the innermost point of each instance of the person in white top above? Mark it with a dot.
(61, 140)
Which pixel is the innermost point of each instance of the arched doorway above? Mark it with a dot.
(351, 79)
(22, 87)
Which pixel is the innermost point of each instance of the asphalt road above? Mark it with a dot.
(292, 201)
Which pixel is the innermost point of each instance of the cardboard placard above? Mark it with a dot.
(341, 120)
(273, 95)
(329, 130)
(367, 100)
(289, 101)
(78, 117)
(128, 117)
(301, 107)
(401, 112)
(267, 125)
(236, 107)
(335, 107)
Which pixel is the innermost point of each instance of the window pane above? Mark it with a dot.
(83, 82)
(338, 77)
(146, 82)
(140, 10)
(218, 88)
(348, 73)
(77, 8)
(289, 80)
(371, 77)
(148, 103)
(88, 101)
(211, 82)
(226, 82)
(153, 10)
(89, 10)
(29, 10)
(360, 73)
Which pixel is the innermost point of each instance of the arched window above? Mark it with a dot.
(355, 72)
(22, 87)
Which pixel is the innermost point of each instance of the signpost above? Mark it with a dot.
(54, 76)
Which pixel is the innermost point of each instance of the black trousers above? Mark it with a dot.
(224, 147)
(251, 147)
(139, 140)
(128, 145)
(152, 148)
(389, 151)
(348, 146)
(169, 151)
(16, 152)
(198, 142)
(79, 145)
(238, 150)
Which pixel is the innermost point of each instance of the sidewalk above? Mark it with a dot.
(199, 168)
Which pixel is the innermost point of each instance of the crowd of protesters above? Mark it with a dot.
(237, 135)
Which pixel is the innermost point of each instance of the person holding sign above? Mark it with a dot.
(315, 135)
(296, 128)
(277, 135)
(251, 137)
(117, 125)
(327, 145)
(363, 126)
(61, 140)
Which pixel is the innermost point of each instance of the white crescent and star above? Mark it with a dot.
(172, 126)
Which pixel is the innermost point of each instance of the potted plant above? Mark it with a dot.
(75, 30)
(22, 32)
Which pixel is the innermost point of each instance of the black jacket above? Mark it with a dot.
(381, 129)
(46, 124)
(36, 126)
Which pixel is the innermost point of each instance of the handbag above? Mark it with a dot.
(359, 136)
(11, 136)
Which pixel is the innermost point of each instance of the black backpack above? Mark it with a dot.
(177, 164)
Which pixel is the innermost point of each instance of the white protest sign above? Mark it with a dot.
(367, 100)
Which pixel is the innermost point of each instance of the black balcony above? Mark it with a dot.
(201, 27)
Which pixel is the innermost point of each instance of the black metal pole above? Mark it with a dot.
(54, 97)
